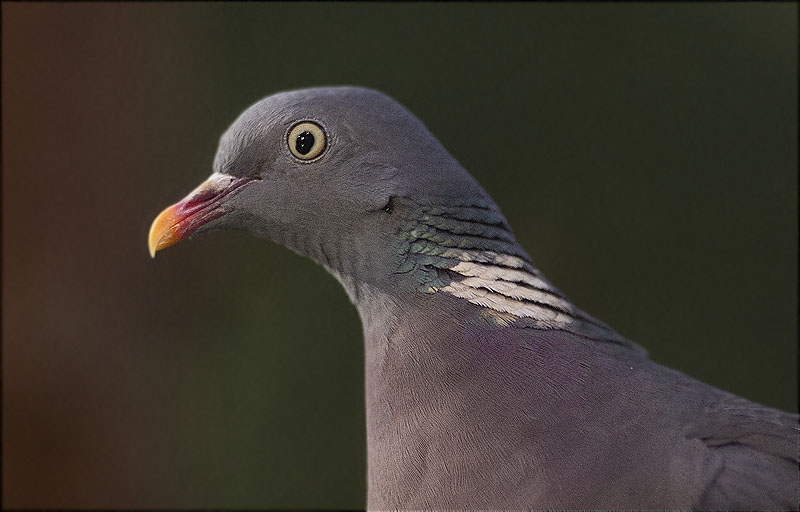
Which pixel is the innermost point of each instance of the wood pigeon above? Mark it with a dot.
(485, 386)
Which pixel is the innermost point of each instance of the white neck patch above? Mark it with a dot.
(508, 285)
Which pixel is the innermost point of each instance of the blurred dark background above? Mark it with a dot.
(646, 156)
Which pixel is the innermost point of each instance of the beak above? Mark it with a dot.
(202, 205)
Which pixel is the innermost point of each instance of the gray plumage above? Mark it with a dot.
(485, 386)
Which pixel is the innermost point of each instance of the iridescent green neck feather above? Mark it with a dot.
(467, 250)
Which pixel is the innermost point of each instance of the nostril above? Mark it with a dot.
(201, 199)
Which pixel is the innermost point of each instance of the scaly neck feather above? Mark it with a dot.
(467, 250)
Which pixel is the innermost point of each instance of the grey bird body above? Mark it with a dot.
(485, 386)
(461, 417)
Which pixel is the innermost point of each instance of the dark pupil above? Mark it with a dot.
(304, 142)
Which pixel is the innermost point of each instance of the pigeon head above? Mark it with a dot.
(324, 172)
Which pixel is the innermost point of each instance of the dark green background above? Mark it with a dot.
(646, 156)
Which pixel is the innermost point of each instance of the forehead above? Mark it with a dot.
(347, 113)
(331, 104)
(277, 112)
(267, 120)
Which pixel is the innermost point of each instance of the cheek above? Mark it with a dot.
(367, 188)
(293, 202)
(266, 201)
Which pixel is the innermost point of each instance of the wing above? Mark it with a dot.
(755, 451)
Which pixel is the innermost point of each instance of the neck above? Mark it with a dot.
(456, 271)
(467, 250)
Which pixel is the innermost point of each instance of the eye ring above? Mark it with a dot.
(307, 141)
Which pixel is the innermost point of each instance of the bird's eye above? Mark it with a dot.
(307, 140)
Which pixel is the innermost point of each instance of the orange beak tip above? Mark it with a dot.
(163, 231)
